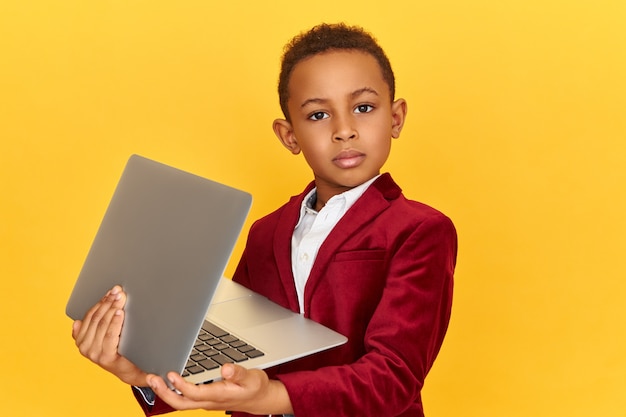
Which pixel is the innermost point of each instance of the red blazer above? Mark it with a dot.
(383, 278)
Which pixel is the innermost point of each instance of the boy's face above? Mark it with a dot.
(342, 119)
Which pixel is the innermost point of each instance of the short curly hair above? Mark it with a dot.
(328, 37)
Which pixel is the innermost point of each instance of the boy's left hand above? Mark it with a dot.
(240, 390)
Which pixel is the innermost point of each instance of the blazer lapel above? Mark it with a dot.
(375, 200)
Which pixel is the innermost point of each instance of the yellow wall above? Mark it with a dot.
(516, 129)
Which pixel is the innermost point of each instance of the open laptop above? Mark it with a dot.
(166, 238)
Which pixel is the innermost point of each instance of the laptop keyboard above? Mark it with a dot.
(214, 347)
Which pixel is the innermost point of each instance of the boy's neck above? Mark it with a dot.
(319, 204)
(323, 194)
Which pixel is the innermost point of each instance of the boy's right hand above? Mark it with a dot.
(98, 335)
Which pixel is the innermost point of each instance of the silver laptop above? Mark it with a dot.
(166, 238)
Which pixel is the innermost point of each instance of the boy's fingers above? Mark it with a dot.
(111, 338)
(117, 296)
(94, 327)
(178, 382)
(106, 327)
(154, 383)
(233, 373)
(84, 329)
(91, 321)
(190, 396)
(161, 389)
(76, 328)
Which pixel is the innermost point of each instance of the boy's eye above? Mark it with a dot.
(318, 115)
(363, 108)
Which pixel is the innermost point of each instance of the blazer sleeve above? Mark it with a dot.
(402, 338)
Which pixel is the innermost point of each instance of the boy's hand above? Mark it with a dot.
(240, 390)
(98, 335)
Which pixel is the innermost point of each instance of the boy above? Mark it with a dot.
(349, 252)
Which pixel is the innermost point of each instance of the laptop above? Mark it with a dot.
(166, 238)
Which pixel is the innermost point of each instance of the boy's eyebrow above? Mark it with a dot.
(363, 90)
(353, 95)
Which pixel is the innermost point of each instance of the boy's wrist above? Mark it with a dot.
(278, 398)
(136, 378)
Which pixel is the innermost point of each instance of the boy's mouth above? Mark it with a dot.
(349, 158)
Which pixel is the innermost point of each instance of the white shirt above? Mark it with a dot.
(313, 228)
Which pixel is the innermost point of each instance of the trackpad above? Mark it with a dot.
(248, 312)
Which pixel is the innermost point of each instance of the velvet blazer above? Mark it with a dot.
(384, 279)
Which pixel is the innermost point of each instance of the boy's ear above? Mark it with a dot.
(398, 116)
(284, 131)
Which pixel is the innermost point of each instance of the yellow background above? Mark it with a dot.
(516, 129)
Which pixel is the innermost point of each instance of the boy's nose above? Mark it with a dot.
(345, 137)
(344, 131)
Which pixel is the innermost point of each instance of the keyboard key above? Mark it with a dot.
(245, 348)
(220, 346)
(203, 348)
(194, 369)
(229, 339)
(255, 353)
(213, 329)
(222, 359)
(235, 355)
(197, 358)
(209, 364)
(211, 352)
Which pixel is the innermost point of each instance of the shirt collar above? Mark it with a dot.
(348, 198)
